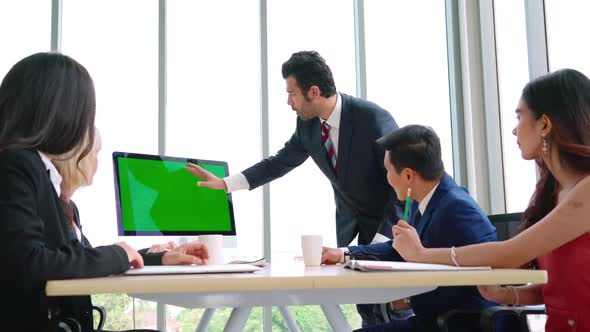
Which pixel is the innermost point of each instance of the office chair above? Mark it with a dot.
(507, 226)
(71, 325)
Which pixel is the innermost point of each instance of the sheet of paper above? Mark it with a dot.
(406, 266)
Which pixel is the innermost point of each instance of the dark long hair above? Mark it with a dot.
(47, 103)
(564, 97)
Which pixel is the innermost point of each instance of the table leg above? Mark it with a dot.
(205, 320)
(289, 319)
(336, 317)
(237, 319)
(161, 316)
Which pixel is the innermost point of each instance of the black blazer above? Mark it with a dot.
(37, 247)
(365, 203)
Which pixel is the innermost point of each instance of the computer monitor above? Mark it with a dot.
(156, 196)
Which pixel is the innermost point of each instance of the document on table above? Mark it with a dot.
(367, 266)
(192, 269)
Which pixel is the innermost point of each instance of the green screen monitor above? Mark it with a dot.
(157, 196)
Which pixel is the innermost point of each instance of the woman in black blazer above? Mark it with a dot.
(47, 109)
(78, 173)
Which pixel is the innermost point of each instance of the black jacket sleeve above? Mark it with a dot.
(290, 156)
(36, 246)
(148, 258)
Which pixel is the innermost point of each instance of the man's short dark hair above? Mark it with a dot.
(415, 147)
(309, 69)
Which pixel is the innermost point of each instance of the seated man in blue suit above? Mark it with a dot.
(444, 215)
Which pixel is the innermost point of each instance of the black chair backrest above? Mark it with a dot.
(506, 224)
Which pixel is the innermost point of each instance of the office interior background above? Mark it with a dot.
(202, 79)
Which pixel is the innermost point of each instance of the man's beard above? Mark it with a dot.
(305, 116)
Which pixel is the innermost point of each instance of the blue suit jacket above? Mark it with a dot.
(451, 218)
(365, 203)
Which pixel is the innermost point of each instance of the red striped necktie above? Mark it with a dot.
(329, 145)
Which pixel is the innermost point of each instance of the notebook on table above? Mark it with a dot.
(192, 269)
(367, 266)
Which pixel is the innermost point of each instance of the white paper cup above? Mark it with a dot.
(214, 243)
(311, 246)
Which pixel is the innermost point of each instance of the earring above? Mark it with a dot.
(544, 146)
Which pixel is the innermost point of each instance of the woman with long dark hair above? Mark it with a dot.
(47, 108)
(553, 129)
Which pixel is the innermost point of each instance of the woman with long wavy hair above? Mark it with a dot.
(553, 129)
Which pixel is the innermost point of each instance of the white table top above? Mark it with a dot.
(291, 276)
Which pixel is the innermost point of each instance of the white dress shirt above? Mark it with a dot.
(54, 175)
(239, 182)
(334, 123)
(78, 232)
(424, 203)
(56, 179)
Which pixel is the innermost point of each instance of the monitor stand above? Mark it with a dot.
(229, 241)
(139, 242)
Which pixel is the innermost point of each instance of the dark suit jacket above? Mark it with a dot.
(37, 247)
(365, 203)
(451, 218)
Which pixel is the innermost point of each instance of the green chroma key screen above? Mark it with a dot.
(157, 196)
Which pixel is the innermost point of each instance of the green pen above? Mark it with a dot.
(407, 209)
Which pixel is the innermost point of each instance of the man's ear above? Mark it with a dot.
(410, 175)
(314, 91)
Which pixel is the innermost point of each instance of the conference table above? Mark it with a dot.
(286, 284)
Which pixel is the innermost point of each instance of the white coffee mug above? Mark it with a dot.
(214, 244)
(311, 246)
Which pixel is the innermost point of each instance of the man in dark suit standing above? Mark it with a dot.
(443, 214)
(338, 132)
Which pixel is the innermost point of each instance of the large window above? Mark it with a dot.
(407, 67)
(303, 201)
(567, 30)
(26, 27)
(122, 58)
(513, 74)
(213, 107)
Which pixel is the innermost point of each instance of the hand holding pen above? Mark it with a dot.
(408, 202)
(405, 238)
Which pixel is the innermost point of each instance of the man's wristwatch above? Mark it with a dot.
(345, 257)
